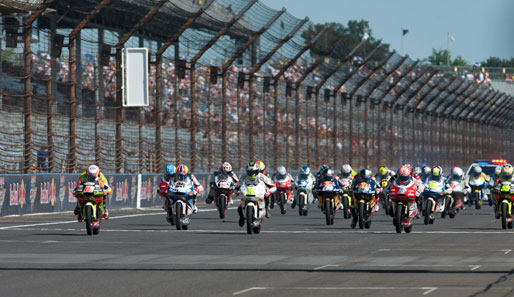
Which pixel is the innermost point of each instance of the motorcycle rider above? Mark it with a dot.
(226, 168)
(169, 173)
(404, 177)
(365, 175)
(253, 174)
(347, 171)
(457, 175)
(184, 170)
(425, 173)
(282, 174)
(267, 200)
(383, 174)
(93, 174)
(305, 174)
(506, 175)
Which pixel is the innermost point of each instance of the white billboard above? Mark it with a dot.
(135, 77)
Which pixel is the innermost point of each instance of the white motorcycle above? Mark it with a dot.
(224, 185)
(181, 193)
(304, 194)
(253, 193)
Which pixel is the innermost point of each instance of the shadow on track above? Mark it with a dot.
(490, 286)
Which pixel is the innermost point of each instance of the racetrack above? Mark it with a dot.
(138, 254)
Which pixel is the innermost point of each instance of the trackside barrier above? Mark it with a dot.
(22, 194)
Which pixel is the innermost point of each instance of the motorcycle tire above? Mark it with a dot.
(399, 218)
(477, 204)
(328, 210)
(301, 204)
(505, 211)
(178, 214)
(346, 215)
(283, 203)
(386, 204)
(361, 215)
(185, 227)
(510, 225)
(428, 212)
(451, 215)
(431, 222)
(222, 205)
(257, 230)
(367, 225)
(408, 229)
(249, 220)
(89, 220)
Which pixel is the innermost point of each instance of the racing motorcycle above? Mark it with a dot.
(90, 195)
(383, 196)
(254, 192)
(504, 194)
(454, 198)
(328, 196)
(477, 191)
(283, 193)
(403, 198)
(304, 195)
(223, 187)
(435, 201)
(346, 199)
(366, 202)
(181, 194)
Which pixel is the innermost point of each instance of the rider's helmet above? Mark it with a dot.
(252, 170)
(329, 174)
(170, 170)
(305, 170)
(457, 173)
(346, 171)
(426, 170)
(323, 169)
(182, 170)
(365, 174)
(383, 171)
(92, 172)
(507, 172)
(418, 170)
(498, 171)
(476, 171)
(226, 167)
(436, 173)
(281, 172)
(404, 175)
(261, 166)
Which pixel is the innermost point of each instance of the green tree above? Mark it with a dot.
(497, 62)
(352, 34)
(441, 57)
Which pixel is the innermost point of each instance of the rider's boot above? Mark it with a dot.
(195, 208)
(241, 216)
(78, 213)
(354, 218)
(210, 197)
(106, 214)
(294, 202)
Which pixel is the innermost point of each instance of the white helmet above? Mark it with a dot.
(281, 170)
(457, 172)
(346, 170)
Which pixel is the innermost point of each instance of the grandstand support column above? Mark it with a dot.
(403, 135)
(141, 124)
(49, 125)
(251, 116)
(275, 127)
(350, 134)
(334, 134)
(99, 92)
(287, 130)
(27, 57)
(158, 96)
(225, 67)
(316, 132)
(365, 160)
(297, 130)
(239, 131)
(72, 157)
(413, 139)
(193, 118)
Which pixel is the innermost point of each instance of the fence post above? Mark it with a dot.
(277, 122)
(334, 133)
(27, 54)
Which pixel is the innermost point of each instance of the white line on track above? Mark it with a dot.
(506, 251)
(111, 218)
(474, 267)
(427, 290)
(325, 266)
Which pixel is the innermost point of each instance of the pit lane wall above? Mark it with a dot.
(22, 194)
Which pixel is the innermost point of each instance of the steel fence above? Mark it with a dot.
(252, 88)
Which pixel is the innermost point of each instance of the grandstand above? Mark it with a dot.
(228, 80)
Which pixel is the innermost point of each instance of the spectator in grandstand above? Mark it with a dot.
(42, 159)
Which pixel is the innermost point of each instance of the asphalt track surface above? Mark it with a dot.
(138, 254)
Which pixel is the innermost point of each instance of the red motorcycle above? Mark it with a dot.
(283, 193)
(404, 207)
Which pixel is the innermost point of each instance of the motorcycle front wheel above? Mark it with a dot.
(399, 218)
(89, 220)
(283, 203)
(178, 214)
(249, 219)
(301, 204)
(328, 212)
(428, 211)
(505, 211)
(361, 215)
(222, 205)
(346, 206)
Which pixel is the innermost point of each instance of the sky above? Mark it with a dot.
(480, 28)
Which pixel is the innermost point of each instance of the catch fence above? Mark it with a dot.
(229, 80)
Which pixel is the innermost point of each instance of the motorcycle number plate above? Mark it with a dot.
(384, 183)
(223, 185)
(505, 188)
(89, 189)
(250, 191)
